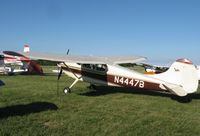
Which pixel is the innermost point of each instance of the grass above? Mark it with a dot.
(30, 105)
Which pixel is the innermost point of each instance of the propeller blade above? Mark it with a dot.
(59, 75)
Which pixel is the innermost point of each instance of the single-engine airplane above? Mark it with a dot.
(12, 62)
(180, 79)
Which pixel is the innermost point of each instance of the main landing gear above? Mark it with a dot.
(67, 90)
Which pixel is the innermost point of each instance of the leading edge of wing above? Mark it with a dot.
(86, 59)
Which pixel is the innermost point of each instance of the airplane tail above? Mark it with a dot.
(181, 78)
(26, 49)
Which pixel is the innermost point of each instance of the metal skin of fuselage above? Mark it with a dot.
(114, 75)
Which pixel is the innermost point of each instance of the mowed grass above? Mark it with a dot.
(31, 105)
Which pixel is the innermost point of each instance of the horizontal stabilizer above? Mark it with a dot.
(175, 89)
(181, 78)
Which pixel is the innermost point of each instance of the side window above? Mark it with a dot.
(95, 67)
(101, 67)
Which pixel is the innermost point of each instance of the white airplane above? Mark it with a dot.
(180, 79)
(12, 62)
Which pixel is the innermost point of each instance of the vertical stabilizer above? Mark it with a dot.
(181, 78)
(26, 49)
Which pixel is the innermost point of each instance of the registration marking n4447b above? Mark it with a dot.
(129, 82)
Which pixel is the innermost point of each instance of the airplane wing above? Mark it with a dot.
(87, 59)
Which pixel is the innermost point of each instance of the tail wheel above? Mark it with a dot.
(66, 90)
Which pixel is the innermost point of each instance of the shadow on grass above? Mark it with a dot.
(2, 83)
(102, 90)
(21, 110)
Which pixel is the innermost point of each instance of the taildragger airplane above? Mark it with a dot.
(180, 79)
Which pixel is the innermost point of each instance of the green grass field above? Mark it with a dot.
(30, 105)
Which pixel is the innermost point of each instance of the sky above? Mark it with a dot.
(157, 29)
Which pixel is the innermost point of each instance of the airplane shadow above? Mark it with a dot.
(25, 109)
(102, 90)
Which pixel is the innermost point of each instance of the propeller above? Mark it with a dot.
(59, 75)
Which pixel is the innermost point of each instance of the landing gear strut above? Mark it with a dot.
(67, 90)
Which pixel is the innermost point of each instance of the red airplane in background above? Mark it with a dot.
(12, 62)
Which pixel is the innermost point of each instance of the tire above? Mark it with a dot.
(66, 90)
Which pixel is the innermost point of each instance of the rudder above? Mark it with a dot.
(183, 75)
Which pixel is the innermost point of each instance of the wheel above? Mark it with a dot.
(66, 90)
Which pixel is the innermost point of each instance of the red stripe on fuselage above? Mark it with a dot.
(123, 81)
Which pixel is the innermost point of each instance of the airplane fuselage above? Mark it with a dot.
(111, 75)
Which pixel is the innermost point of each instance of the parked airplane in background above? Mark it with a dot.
(156, 69)
(180, 79)
(12, 62)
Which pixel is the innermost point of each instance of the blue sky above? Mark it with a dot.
(157, 29)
